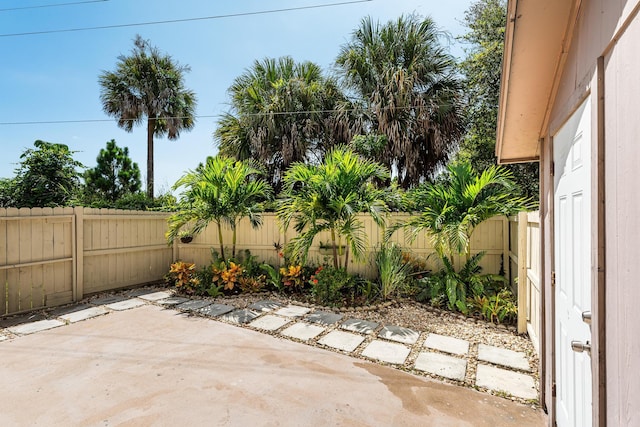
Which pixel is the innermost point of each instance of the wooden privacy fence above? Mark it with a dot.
(524, 258)
(492, 236)
(53, 256)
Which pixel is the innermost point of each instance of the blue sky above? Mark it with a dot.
(53, 77)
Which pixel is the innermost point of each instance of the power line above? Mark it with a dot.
(171, 21)
(51, 5)
(271, 113)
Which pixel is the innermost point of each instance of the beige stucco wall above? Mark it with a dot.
(610, 28)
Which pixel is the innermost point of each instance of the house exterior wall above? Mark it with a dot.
(622, 208)
(608, 29)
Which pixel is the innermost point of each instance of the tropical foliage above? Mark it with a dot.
(407, 89)
(328, 197)
(280, 114)
(482, 67)
(148, 84)
(393, 271)
(223, 191)
(452, 207)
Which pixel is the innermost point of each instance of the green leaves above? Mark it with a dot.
(221, 190)
(46, 176)
(148, 84)
(280, 114)
(328, 197)
(453, 206)
(114, 176)
(409, 91)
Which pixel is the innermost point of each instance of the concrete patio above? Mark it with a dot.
(135, 363)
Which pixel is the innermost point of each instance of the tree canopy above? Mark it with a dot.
(47, 176)
(482, 68)
(148, 84)
(405, 86)
(281, 113)
(114, 176)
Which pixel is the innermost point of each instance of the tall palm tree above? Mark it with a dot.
(223, 190)
(328, 197)
(405, 86)
(148, 84)
(281, 113)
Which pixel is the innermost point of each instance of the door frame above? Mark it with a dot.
(598, 251)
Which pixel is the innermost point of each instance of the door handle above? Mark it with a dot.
(579, 346)
(586, 317)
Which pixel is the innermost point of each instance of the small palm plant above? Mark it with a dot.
(450, 210)
(223, 190)
(452, 207)
(328, 197)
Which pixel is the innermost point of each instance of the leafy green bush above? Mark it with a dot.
(392, 270)
(456, 286)
(500, 307)
(333, 286)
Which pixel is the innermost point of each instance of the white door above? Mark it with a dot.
(572, 219)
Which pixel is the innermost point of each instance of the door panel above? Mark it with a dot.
(572, 185)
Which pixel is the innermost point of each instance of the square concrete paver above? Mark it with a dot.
(173, 301)
(386, 352)
(265, 306)
(442, 365)
(240, 316)
(293, 311)
(514, 383)
(59, 311)
(324, 318)
(8, 322)
(192, 305)
(504, 357)
(87, 313)
(344, 341)
(156, 296)
(215, 310)
(447, 344)
(399, 334)
(125, 305)
(269, 322)
(357, 325)
(3, 338)
(303, 331)
(33, 327)
(110, 299)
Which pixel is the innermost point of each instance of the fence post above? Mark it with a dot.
(176, 251)
(523, 222)
(78, 293)
(506, 242)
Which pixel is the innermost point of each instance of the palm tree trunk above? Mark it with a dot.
(221, 243)
(233, 240)
(151, 128)
(346, 257)
(335, 249)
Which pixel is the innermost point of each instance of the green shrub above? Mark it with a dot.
(392, 270)
(456, 286)
(499, 308)
(333, 286)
